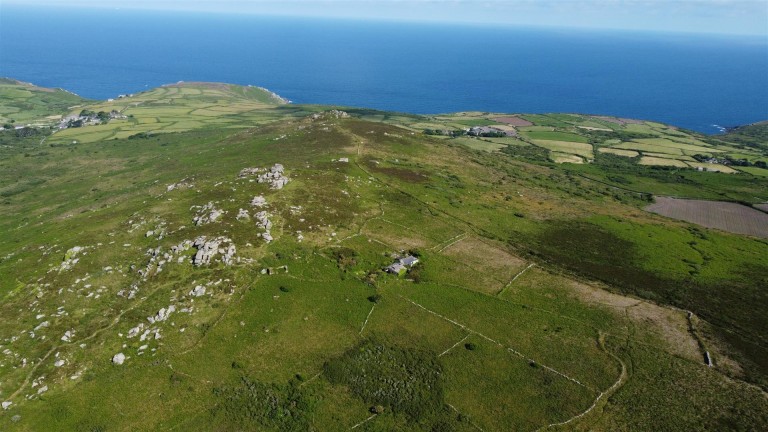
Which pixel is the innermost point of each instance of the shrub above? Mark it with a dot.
(272, 406)
(345, 257)
(406, 381)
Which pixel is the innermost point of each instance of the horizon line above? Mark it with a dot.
(390, 19)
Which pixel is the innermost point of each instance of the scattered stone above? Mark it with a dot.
(198, 291)
(245, 172)
(242, 214)
(183, 184)
(258, 201)
(206, 214)
(228, 255)
(59, 363)
(42, 390)
(329, 114)
(70, 258)
(274, 176)
(181, 247)
(344, 159)
(262, 220)
(208, 248)
(135, 331)
(7, 405)
(118, 359)
(68, 335)
(162, 314)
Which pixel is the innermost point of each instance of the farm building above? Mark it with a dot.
(402, 265)
(485, 131)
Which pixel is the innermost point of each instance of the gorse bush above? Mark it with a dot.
(405, 381)
(253, 405)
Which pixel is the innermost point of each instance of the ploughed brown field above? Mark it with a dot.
(726, 216)
(621, 121)
(513, 121)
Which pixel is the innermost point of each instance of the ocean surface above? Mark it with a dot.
(692, 81)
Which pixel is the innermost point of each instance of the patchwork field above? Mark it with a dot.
(25, 103)
(658, 161)
(580, 149)
(760, 172)
(481, 144)
(730, 217)
(618, 152)
(713, 167)
(513, 121)
(558, 157)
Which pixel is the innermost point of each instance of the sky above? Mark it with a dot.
(699, 16)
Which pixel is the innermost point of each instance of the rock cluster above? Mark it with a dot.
(330, 114)
(162, 314)
(118, 359)
(131, 292)
(145, 333)
(207, 249)
(274, 176)
(262, 217)
(68, 335)
(159, 232)
(262, 221)
(206, 214)
(70, 258)
(198, 291)
(258, 201)
(158, 258)
(183, 184)
(245, 172)
(242, 214)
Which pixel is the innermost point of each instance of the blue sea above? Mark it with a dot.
(689, 80)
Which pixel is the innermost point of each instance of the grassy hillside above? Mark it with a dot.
(753, 135)
(544, 297)
(24, 103)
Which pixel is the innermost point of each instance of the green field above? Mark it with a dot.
(555, 136)
(544, 298)
(619, 152)
(760, 172)
(579, 149)
(25, 103)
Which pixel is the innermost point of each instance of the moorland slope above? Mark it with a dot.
(212, 258)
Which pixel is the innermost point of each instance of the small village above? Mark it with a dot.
(89, 118)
